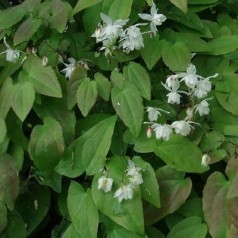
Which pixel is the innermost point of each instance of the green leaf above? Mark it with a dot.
(89, 151)
(46, 148)
(26, 30)
(82, 4)
(149, 188)
(192, 207)
(137, 75)
(177, 57)
(124, 102)
(82, 210)
(119, 233)
(152, 51)
(11, 16)
(9, 181)
(59, 16)
(103, 86)
(71, 232)
(3, 216)
(86, 95)
(202, 1)
(128, 213)
(174, 190)
(33, 207)
(15, 225)
(181, 4)
(224, 122)
(189, 227)
(43, 79)
(226, 92)
(31, 5)
(6, 97)
(211, 141)
(3, 130)
(149, 2)
(223, 45)
(23, 99)
(119, 9)
(220, 211)
(180, 153)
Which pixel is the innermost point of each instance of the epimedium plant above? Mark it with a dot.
(118, 118)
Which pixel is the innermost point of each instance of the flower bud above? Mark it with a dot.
(205, 160)
(44, 61)
(149, 132)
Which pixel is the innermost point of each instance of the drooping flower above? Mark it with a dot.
(162, 131)
(105, 183)
(109, 30)
(205, 160)
(154, 113)
(134, 174)
(202, 108)
(190, 78)
(124, 192)
(68, 70)
(183, 127)
(154, 18)
(172, 81)
(132, 39)
(11, 55)
(174, 96)
(202, 89)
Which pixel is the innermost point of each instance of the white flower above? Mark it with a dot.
(131, 39)
(202, 88)
(135, 176)
(154, 18)
(182, 127)
(105, 183)
(153, 113)
(172, 81)
(162, 131)
(136, 179)
(11, 55)
(109, 30)
(174, 96)
(202, 108)
(205, 160)
(132, 169)
(124, 192)
(68, 70)
(190, 78)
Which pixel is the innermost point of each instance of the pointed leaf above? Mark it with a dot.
(152, 51)
(189, 227)
(103, 86)
(3, 216)
(136, 74)
(26, 30)
(59, 16)
(89, 151)
(82, 4)
(181, 4)
(3, 130)
(86, 95)
(180, 153)
(43, 79)
(46, 148)
(127, 103)
(82, 210)
(176, 57)
(11, 16)
(23, 99)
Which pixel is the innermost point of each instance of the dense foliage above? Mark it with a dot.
(119, 118)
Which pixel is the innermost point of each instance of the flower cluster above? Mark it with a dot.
(198, 88)
(126, 189)
(110, 33)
